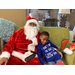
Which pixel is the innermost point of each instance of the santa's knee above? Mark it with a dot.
(36, 61)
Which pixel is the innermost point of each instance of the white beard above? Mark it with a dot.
(30, 32)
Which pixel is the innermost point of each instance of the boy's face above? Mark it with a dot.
(44, 39)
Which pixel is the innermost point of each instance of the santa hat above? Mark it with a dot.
(63, 44)
(65, 47)
(32, 19)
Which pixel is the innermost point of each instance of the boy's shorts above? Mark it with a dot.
(56, 62)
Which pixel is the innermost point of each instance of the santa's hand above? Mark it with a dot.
(30, 50)
(2, 60)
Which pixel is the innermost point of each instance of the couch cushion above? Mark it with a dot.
(70, 59)
(18, 27)
(6, 29)
(57, 34)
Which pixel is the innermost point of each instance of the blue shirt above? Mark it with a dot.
(48, 51)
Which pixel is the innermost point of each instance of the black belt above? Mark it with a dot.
(26, 50)
(29, 57)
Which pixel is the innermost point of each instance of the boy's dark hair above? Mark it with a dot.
(44, 33)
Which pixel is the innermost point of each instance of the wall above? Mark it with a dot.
(71, 18)
(54, 13)
(17, 16)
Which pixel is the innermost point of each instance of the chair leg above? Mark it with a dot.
(1, 45)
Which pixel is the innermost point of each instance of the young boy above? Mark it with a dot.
(48, 50)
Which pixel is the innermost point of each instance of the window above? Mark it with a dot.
(50, 17)
(46, 17)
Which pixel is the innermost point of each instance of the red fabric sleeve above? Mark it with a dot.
(9, 47)
(39, 33)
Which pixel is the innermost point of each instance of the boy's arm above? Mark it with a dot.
(56, 49)
(40, 55)
(53, 45)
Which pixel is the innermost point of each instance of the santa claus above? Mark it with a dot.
(21, 46)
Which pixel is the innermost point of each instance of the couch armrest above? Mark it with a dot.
(71, 35)
(69, 59)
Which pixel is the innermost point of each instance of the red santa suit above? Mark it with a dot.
(22, 39)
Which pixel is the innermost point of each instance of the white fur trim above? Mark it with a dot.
(68, 51)
(20, 55)
(5, 54)
(32, 46)
(34, 40)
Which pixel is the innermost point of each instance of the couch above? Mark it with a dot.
(57, 36)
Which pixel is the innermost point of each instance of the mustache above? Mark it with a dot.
(32, 27)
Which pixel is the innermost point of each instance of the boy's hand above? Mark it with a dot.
(60, 53)
(2, 60)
